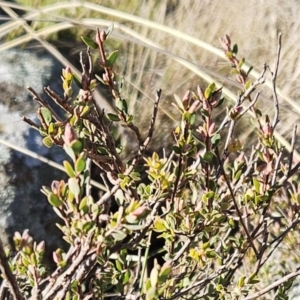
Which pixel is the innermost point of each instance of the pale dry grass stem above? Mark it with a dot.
(174, 45)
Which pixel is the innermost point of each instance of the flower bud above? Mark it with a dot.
(200, 93)
(194, 106)
(267, 130)
(141, 212)
(40, 247)
(186, 100)
(67, 73)
(55, 186)
(70, 134)
(215, 98)
(234, 113)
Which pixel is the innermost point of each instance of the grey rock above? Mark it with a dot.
(22, 205)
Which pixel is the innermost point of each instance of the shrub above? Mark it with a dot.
(214, 215)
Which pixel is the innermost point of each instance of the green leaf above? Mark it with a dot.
(205, 245)
(75, 297)
(215, 140)
(111, 58)
(74, 186)
(89, 42)
(125, 107)
(253, 279)
(74, 284)
(154, 276)
(192, 118)
(119, 235)
(133, 227)
(135, 176)
(87, 226)
(70, 152)
(164, 273)
(220, 102)
(208, 156)
(126, 277)
(80, 164)
(250, 69)
(58, 212)
(209, 90)
(102, 150)
(100, 79)
(83, 203)
(51, 128)
(68, 296)
(68, 168)
(54, 200)
(131, 219)
(176, 149)
(151, 294)
(113, 117)
(119, 104)
(47, 141)
(76, 146)
(47, 116)
(238, 175)
(241, 281)
(235, 49)
(109, 30)
(85, 111)
(248, 84)
(119, 265)
(124, 182)
(256, 185)
(159, 225)
(119, 197)
(241, 63)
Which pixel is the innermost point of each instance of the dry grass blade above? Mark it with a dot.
(47, 161)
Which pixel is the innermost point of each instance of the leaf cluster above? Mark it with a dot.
(220, 209)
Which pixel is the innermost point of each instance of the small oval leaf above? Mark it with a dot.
(208, 156)
(113, 117)
(68, 168)
(47, 116)
(76, 146)
(69, 151)
(80, 164)
(54, 200)
(89, 42)
(111, 58)
(109, 30)
(47, 141)
(74, 186)
(119, 235)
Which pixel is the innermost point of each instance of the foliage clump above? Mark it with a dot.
(211, 215)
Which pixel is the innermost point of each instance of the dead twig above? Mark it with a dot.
(9, 278)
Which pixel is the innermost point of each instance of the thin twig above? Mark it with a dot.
(61, 103)
(145, 144)
(293, 142)
(236, 205)
(30, 122)
(64, 279)
(279, 238)
(273, 285)
(182, 250)
(274, 78)
(43, 103)
(276, 167)
(9, 277)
